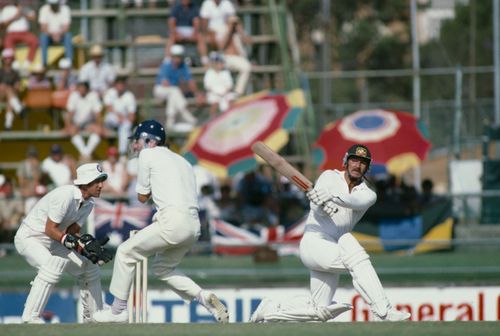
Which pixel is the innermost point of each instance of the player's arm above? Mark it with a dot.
(68, 238)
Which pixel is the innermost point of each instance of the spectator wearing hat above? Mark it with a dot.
(29, 178)
(84, 115)
(15, 18)
(184, 27)
(218, 84)
(55, 19)
(117, 173)
(121, 108)
(37, 79)
(173, 81)
(58, 167)
(10, 83)
(97, 72)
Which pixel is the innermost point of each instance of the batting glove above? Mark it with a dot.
(318, 196)
(69, 241)
(330, 208)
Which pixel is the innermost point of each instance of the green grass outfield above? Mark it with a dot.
(288, 329)
(462, 267)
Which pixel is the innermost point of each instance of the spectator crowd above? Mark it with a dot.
(94, 102)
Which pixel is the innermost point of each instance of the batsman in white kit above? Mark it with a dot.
(339, 200)
(168, 179)
(49, 238)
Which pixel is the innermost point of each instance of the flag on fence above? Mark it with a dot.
(115, 220)
(227, 238)
(430, 230)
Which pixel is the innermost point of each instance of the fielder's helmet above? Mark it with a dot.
(360, 151)
(150, 130)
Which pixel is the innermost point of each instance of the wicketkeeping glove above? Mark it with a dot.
(69, 241)
(93, 249)
(318, 196)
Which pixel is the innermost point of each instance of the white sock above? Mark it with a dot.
(92, 143)
(118, 306)
(15, 104)
(77, 140)
(9, 118)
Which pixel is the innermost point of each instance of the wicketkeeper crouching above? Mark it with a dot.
(49, 239)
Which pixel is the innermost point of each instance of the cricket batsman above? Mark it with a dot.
(49, 239)
(168, 179)
(338, 201)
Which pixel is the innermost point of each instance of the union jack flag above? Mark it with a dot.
(115, 220)
(227, 238)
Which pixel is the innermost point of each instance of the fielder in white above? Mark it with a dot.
(49, 236)
(338, 201)
(168, 179)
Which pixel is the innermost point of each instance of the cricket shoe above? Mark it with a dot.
(394, 315)
(214, 306)
(107, 315)
(258, 315)
(35, 320)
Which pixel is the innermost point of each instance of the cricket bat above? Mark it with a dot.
(282, 166)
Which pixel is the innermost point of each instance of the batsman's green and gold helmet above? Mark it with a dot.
(360, 151)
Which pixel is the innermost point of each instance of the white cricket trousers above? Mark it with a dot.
(176, 104)
(241, 65)
(37, 248)
(170, 236)
(321, 254)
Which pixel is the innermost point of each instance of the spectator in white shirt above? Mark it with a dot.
(84, 114)
(219, 84)
(121, 110)
(98, 73)
(116, 184)
(225, 32)
(235, 56)
(15, 18)
(58, 167)
(55, 19)
(214, 15)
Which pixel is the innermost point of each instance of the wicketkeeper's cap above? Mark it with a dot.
(88, 173)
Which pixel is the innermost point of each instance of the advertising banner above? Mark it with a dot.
(164, 306)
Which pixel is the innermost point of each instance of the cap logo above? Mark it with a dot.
(99, 168)
(360, 151)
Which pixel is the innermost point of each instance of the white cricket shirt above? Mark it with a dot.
(85, 108)
(100, 76)
(55, 21)
(168, 177)
(17, 26)
(217, 15)
(124, 104)
(61, 205)
(350, 206)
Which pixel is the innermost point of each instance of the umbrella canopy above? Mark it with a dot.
(395, 140)
(223, 145)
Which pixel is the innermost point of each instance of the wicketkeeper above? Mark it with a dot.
(49, 238)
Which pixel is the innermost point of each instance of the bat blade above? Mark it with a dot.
(282, 166)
